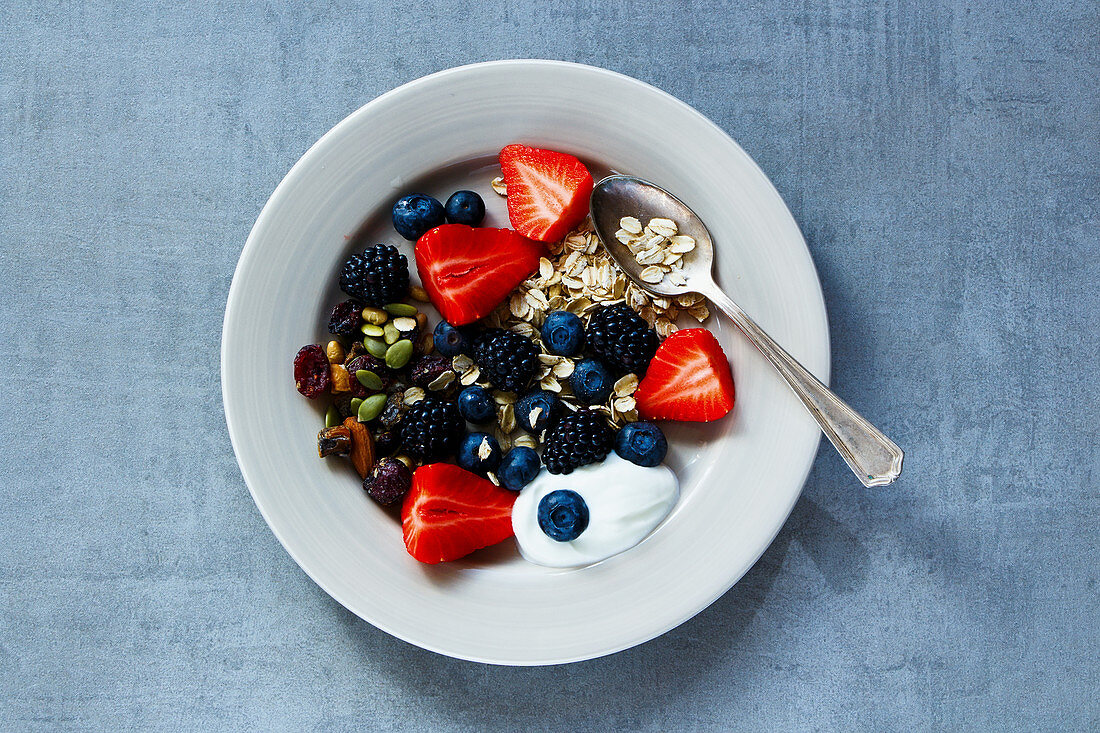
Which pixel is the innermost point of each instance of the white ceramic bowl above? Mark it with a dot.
(740, 476)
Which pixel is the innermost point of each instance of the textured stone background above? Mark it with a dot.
(942, 159)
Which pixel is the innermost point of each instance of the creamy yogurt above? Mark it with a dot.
(625, 503)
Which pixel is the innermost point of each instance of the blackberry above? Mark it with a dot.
(377, 277)
(431, 429)
(578, 438)
(506, 359)
(622, 339)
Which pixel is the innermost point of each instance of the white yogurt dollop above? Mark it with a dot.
(625, 503)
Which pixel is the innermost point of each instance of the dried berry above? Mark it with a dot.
(388, 482)
(392, 412)
(334, 441)
(427, 368)
(311, 371)
(344, 320)
(386, 442)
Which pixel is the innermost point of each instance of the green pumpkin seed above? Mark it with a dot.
(377, 316)
(399, 354)
(374, 347)
(369, 329)
(355, 403)
(391, 334)
(369, 379)
(401, 309)
(332, 417)
(371, 407)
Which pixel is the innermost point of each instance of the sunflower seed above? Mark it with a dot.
(492, 477)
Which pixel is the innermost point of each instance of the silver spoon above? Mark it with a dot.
(873, 457)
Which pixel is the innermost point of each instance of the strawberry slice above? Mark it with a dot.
(688, 379)
(468, 272)
(450, 512)
(547, 191)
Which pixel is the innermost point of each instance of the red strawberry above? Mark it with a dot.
(467, 271)
(449, 512)
(688, 379)
(547, 191)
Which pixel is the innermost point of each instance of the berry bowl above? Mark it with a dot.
(739, 476)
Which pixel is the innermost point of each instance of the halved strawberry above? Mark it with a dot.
(468, 271)
(688, 379)
(547, 191)
(450, 512)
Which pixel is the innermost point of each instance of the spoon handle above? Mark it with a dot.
(874, 458)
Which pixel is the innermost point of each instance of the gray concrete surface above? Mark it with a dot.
(942, 159)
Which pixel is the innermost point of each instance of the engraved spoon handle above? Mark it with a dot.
(874, 458)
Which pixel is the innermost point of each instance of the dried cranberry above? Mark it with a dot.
(311, 373)
(344, 320)
(388, 482)
(427, 369)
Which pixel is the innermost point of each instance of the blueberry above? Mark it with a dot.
(519, 468)
(465, 207)
(476, 405)
(479, 452)
(549, 408)
(452, 340)
(563, 515)
(563, 333)
(415, 214)
(591, 382)
(642, 443)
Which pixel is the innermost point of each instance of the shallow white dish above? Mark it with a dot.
(739, 477)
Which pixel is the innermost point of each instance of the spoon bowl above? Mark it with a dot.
(875, 459)
(617, 196)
